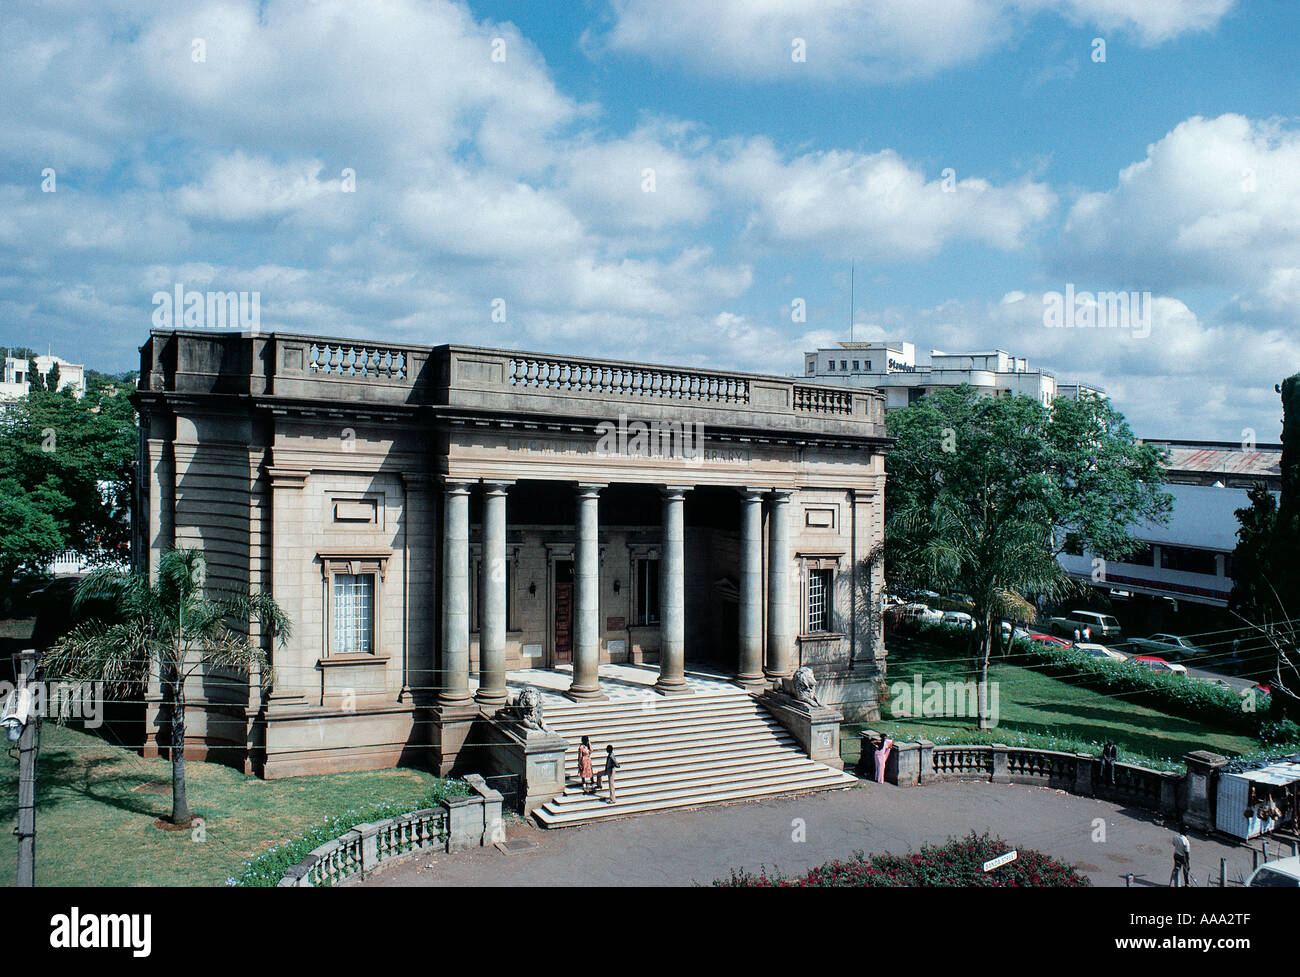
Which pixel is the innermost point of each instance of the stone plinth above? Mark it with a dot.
(815, 727)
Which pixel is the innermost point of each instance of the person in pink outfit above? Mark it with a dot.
(585, 770)
(882, 757)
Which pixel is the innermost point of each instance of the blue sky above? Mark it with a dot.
(1173, 167)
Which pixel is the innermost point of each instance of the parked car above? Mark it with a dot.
(1156, 664)
(1050, 638)
(1100, 651)
(1282, 873)
(1099, 625)
(959, 619)
(1166, 644)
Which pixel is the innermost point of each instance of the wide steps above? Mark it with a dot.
(715, 747)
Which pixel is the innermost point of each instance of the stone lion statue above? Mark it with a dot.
(526, 709)
(801, 685)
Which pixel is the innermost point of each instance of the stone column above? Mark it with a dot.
(750, 673)
(493, 597)
(780, 638)
(454, 680)
(672, 595)
(586, 586)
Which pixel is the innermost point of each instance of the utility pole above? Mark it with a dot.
(22, 719)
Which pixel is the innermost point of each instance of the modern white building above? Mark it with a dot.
(892, 368)
(1190, 558)
(16, 381)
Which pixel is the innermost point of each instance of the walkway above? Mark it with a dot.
(699, 846)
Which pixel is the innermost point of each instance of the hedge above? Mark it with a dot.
(955, 863)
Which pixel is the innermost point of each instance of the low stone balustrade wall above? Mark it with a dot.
(458, 822)
(922, 762)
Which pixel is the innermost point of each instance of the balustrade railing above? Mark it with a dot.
(625, 380)
(822, 400)
(366, 845)
(357, 360)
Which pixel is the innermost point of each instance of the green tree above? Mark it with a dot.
(981, 493)
(52, 379)
(78, 457)
(35, 381)
(170, 628)
(32, 528)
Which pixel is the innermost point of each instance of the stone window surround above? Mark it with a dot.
(353, 561)
(817, 561)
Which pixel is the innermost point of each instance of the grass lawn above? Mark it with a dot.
(96, 805)
(1033, 703)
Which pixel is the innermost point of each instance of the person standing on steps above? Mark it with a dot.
(611, 764)
(584, 766)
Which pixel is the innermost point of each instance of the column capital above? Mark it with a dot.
(454, 485)
(589, 489)
(782, 495)
(674, 491)
(497, 486)
(751, 493)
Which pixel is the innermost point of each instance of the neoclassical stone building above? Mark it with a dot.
(434, 518)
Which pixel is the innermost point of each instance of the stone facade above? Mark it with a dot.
(431, 515)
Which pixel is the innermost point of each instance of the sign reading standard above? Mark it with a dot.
(1001, 860)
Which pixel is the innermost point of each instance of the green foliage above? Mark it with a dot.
(268, 868)
(71, 460)
(1177, 694)
(174, 624)
(957, 863)
(983, 490)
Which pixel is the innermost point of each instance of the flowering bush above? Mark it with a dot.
(956, 863)
(268, 867)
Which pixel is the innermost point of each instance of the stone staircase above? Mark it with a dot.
(711, 747)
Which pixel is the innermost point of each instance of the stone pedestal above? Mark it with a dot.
(816, 727)
(535, 756)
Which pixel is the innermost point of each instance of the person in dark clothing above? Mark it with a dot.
(611, 764)
(1109, 754)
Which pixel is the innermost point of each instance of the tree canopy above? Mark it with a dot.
(982, 493)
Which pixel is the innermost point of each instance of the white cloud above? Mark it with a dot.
(875, 206)
(1215, 202)
(872, 40)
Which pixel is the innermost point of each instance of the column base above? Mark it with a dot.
(585, 695)
(491, 696)
(449, 732)
(673, 688)
(753, 683)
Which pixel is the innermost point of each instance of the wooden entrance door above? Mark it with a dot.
(563, 612)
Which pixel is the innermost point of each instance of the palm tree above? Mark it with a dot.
(173, 627)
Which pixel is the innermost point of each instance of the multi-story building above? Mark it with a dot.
(891, 367)
(443, 522)
(16, 382)
(1190, 558)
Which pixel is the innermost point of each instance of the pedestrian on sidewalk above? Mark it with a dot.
(611, 764)
(584, 766)
(1182, 859)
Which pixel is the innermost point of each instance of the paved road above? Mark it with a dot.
(699, 846)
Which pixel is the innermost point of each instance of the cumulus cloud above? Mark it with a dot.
(864, 40)
(875, 205)
(1215, 202)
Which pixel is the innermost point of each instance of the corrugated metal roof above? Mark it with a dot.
(1226, 461)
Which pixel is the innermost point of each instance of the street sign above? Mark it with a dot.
(1001, 860)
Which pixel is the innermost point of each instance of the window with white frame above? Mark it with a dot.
(354, 613)
(820, 584)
